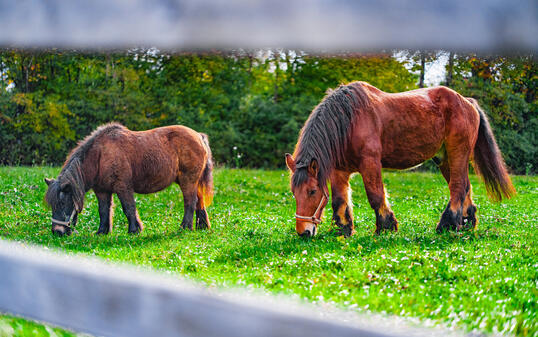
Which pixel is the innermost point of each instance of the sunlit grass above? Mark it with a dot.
(484, 280)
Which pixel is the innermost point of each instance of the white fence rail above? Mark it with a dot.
(478, 25)
(88, 295)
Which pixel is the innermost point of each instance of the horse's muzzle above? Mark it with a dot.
(309, 231)
(61, 230)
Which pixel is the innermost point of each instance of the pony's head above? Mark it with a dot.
(65, 195)
(310, 194)
(60, 197)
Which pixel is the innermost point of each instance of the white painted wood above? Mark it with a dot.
(89, 295)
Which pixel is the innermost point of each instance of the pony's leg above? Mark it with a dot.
(460, 188)
(469, 219)
(189, 189)
(129, 208)
(202, 220)
(105, 212)
(370, 169)
(342, 203)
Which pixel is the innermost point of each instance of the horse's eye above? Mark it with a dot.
(312, 192)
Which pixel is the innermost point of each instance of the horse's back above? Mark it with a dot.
(413, 125)
(149, 160)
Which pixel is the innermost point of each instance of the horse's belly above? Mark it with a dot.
(409, 149)
(154, 174)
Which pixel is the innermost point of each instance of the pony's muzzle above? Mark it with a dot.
(61, 230)
(309, 230)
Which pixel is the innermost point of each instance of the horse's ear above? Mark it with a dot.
(49, 181)
(290, 162)
(313, 168)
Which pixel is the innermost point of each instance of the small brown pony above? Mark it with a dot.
(114, 159)
(359, 128)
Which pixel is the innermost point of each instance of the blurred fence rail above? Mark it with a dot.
(88, 295)
(322, 25)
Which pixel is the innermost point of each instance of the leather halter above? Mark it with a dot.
(314, 218)
(66, 223)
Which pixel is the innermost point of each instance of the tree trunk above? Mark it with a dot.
(422, 69)
(277, 72)
(450, 70)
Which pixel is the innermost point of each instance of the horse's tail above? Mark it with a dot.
(205, 185)
(488, 161)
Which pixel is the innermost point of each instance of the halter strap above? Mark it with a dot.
(65, 223)
(313, 218)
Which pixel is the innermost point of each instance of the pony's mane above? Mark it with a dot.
(71, 173)
(324, 136)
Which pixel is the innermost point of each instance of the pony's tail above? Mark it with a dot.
(488, 161)
(205, 185)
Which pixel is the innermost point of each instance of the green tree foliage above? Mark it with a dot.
(251, 104)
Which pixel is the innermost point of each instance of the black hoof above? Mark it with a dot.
(202, 221)
(103, 231)
(186, 226)
(135, 230)
(470, 221)
(450, 221)
(345, 230)
(386, 223)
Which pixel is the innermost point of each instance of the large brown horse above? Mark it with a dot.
(114, 159)
(359, 128)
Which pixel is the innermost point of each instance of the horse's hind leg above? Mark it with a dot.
(105, 212)
(469, 219)
(202, 220)
(459, 186)
(370, 169)
(341, 202)
(129, 208)
(469, 211)
(189, 189)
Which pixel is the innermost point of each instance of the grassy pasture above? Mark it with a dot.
(484, 280)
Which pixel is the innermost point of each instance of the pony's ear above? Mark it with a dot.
(49, 181)
(313, 168)
(66, 187)
(290, 162)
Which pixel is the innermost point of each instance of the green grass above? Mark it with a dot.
(483, 280)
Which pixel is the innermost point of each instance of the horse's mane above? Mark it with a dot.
(71, 173)
(325, 134)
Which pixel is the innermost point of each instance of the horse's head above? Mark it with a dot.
(60, 196)
(311, 197)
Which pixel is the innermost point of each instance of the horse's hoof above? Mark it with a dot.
(345, 230)
(186, 227)
(443, 227)
(388, 223)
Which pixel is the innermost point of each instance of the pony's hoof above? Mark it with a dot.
(135, 230)
(202, 221)
(345, 230)
(388, 223)
(186, 227)
(102, 231)
(447, 227)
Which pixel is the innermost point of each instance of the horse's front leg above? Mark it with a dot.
(341, 202)
(105, 212)
(370, 170)
(129, 208)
